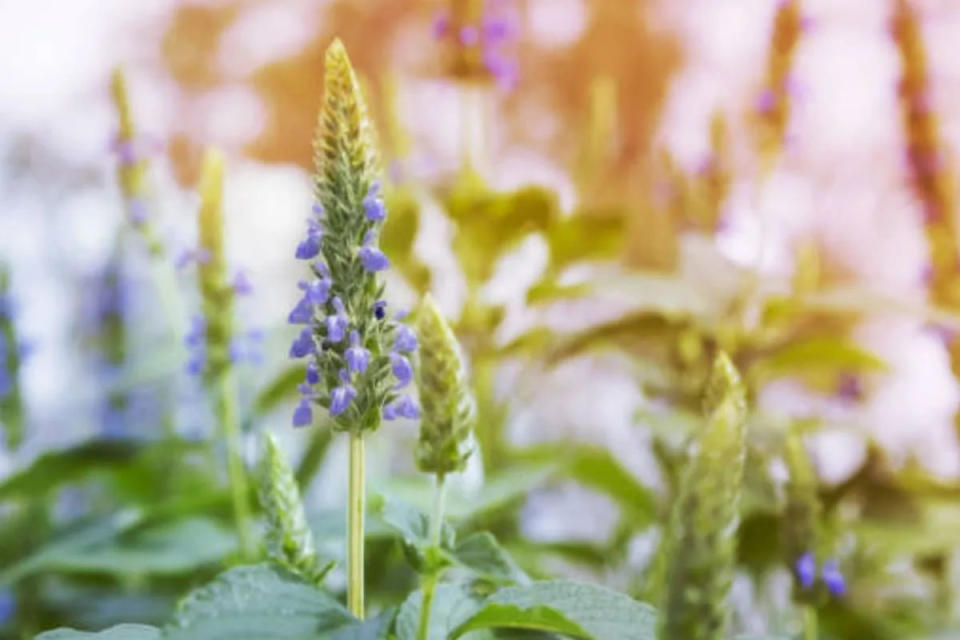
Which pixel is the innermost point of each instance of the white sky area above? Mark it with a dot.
(844, 141)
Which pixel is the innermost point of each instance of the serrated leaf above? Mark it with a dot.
(482, 554)
(257, 602)
(166, 549)
(452, 605)
(68, 465)
(576, 609)
(407, 520)
(119, 632)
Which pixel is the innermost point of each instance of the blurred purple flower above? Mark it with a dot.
(833, 579)
(303, 345)
(405, 340)
(402, 407)
(806, 570)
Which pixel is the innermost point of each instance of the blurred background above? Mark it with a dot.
(600, 193)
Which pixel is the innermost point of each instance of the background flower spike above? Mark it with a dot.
(699, 551)
(448, 407)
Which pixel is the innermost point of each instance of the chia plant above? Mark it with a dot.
(357, 354)
(211, 338)
(12, 352)
(449, 414)
(698, 555)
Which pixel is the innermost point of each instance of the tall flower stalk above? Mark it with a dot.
(212, 336)
(449, 414)
(358, 355)
(698, 554)
(133, 176)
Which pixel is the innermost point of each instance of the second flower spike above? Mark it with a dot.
(449, 411)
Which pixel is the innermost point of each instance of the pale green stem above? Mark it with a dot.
(810, 631)
(227, 403)
(430, 579)
(355, 509)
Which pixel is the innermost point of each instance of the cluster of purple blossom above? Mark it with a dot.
(344, 340)
(495, 28)
(806, 572)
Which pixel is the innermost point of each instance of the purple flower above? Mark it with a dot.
(380, 309)
(357, 357)
(502, 69)
(309, 247)
(313, 373)
(806, 570)
(317, 209)
(836, 584)
(337, 324)
(401, 369)
(497, 28)
(241, 283)
(8, 605)
(303, 344)
(469, 35)
(373, 205)
(342, 396)
(303, 414)
(138, 211)
(302, 313)
(402, 407)
(197, 333)
(372, 258)
(441, 24)
(200, 256)
(126, 154)
(247, 347)
(766, 101)
(406, 339)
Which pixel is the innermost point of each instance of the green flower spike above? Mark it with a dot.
(448, 408)
(701, 544)
(289, 539)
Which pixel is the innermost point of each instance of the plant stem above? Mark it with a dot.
(355, 509)
(226, 403)
(810, 623)
(430, 579)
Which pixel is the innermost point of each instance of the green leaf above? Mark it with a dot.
(575, 609)
(482, 554)
(60, 467)
(377, 628)
(279, 389)
(119, 632)
(819, 354)
(452, 605)
(407, 520)
(257, 602)
(166, 549)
